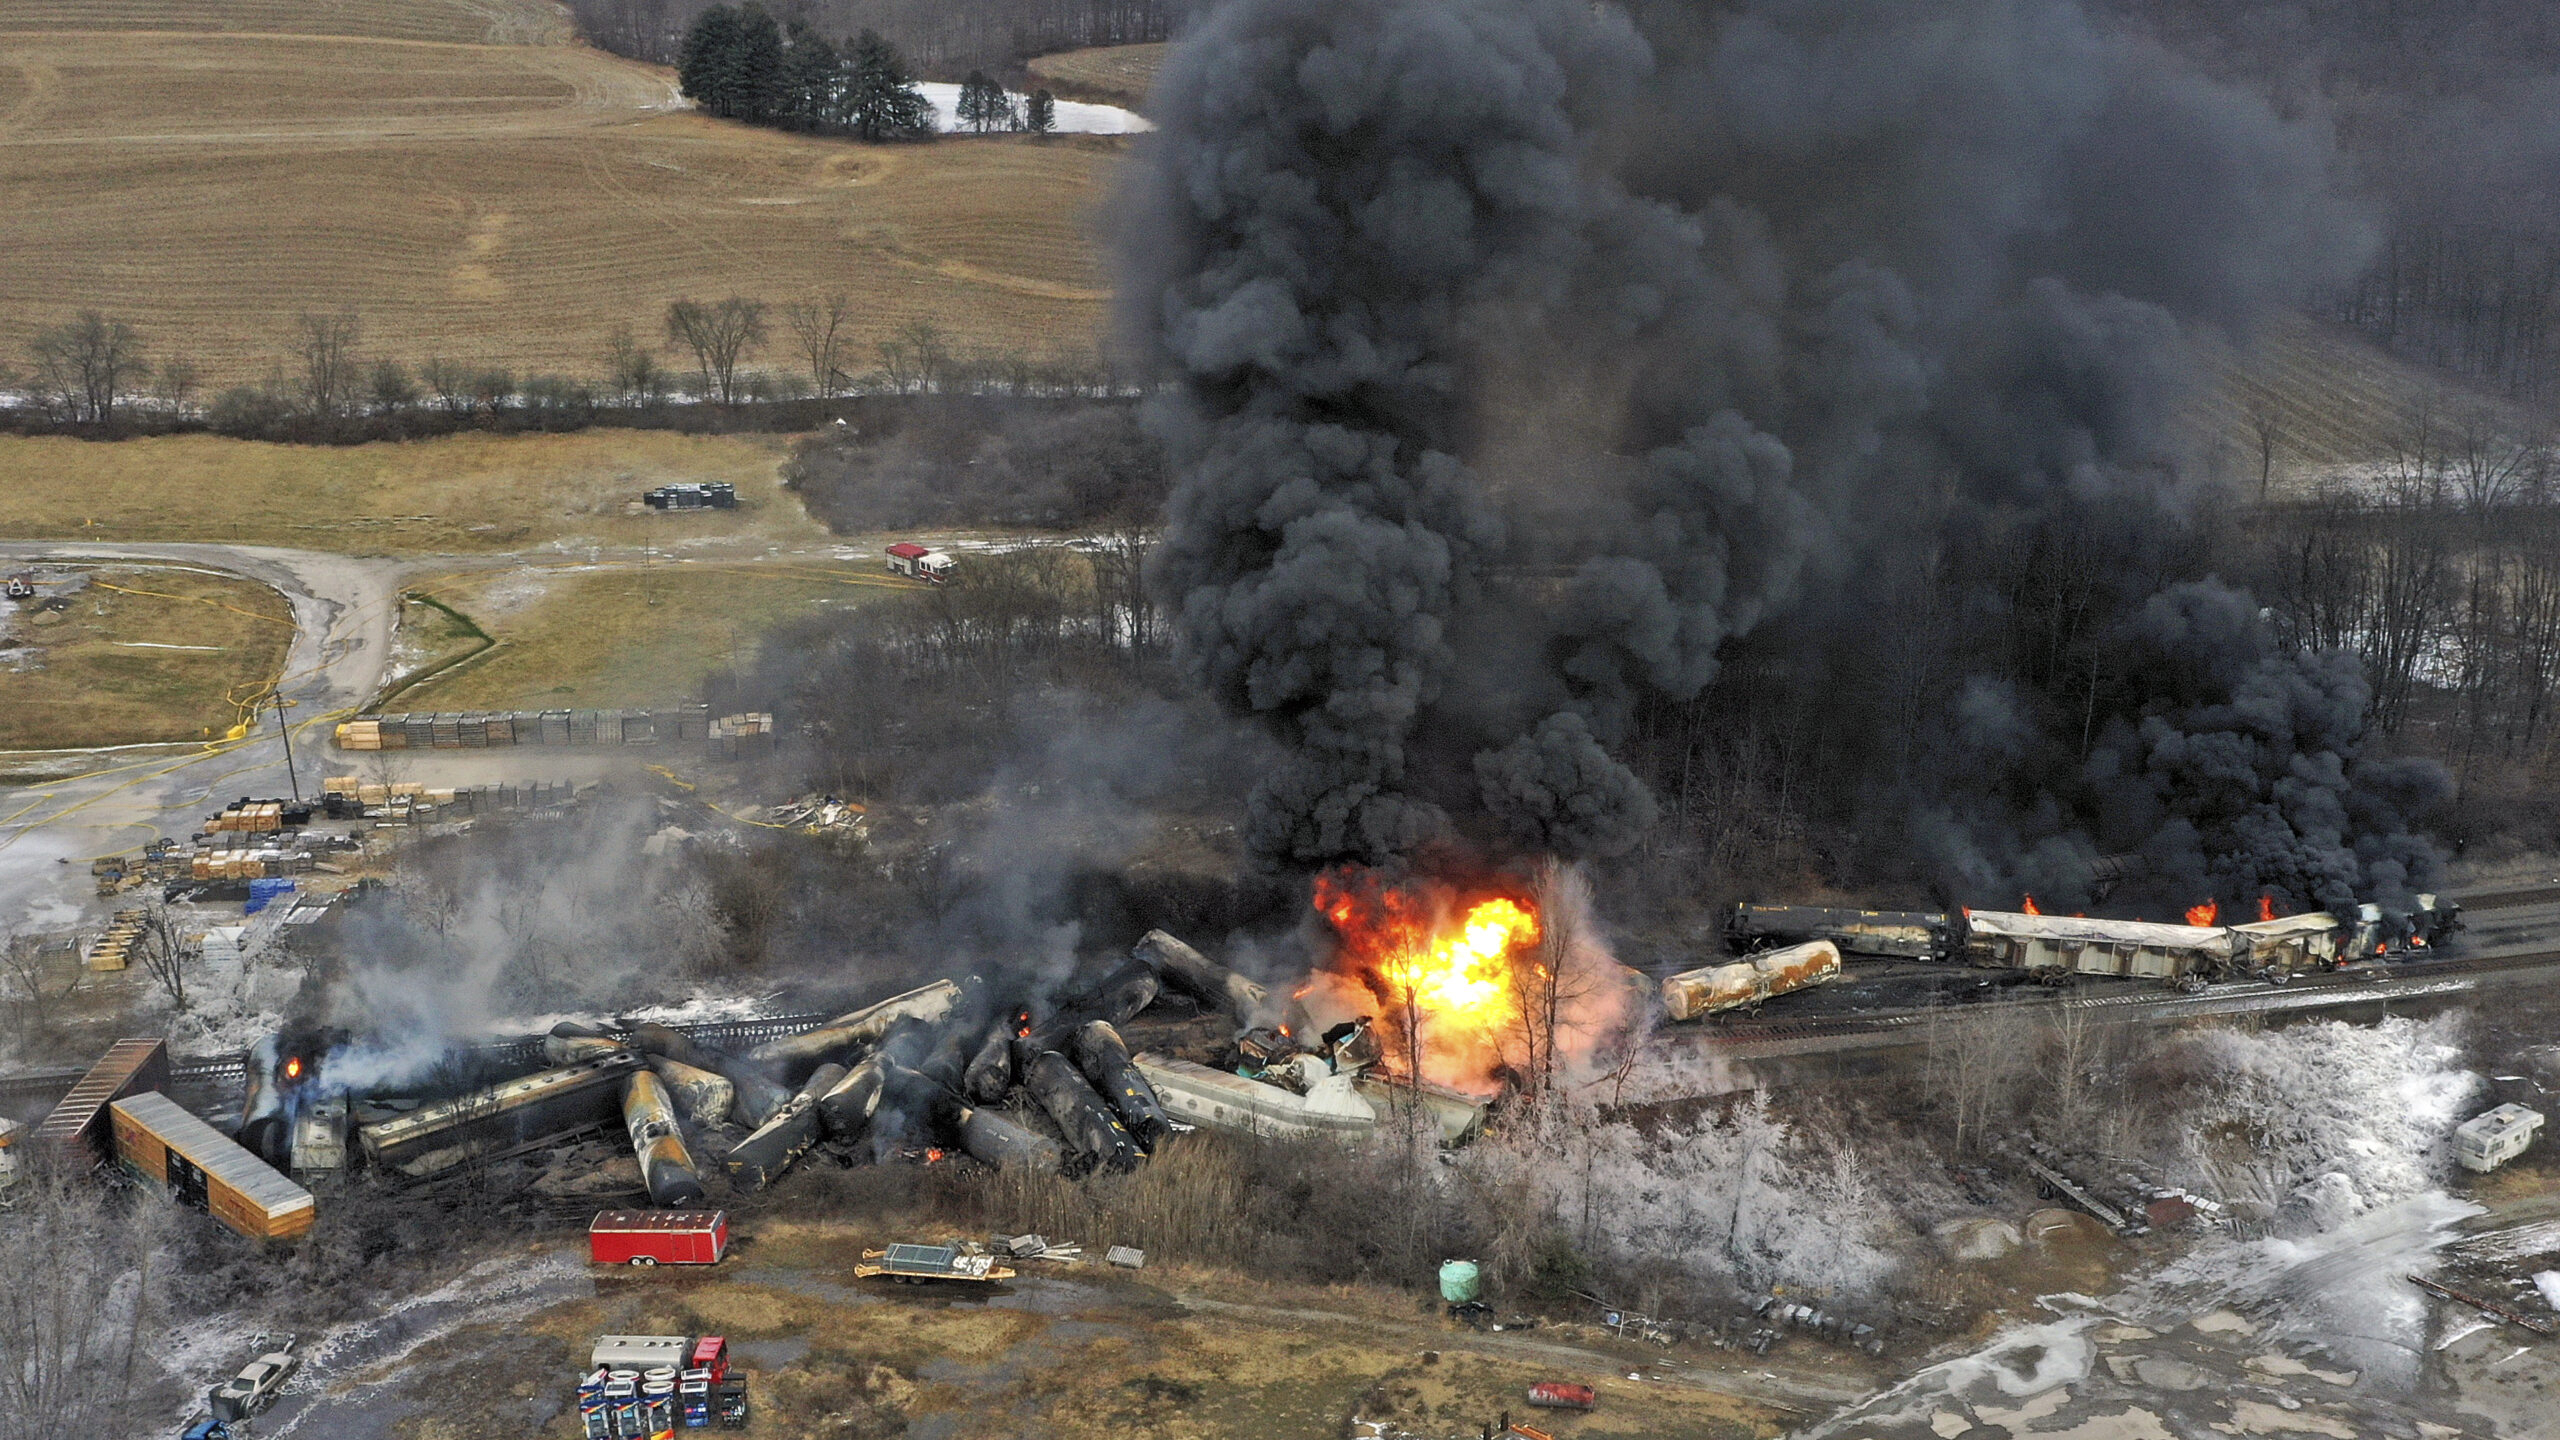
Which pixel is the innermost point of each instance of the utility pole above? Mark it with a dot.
(285, 733)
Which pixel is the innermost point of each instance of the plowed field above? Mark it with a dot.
(208, 169)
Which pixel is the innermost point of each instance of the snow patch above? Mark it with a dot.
(2548, 1282)
(1072, 118)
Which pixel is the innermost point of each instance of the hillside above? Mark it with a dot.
(495, 203)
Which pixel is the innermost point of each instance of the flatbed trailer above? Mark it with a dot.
(921, 1264)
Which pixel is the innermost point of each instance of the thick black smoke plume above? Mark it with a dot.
(1533, 351)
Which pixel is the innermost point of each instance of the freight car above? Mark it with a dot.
(2059, 947)
(1750, 981)
(1883, 934)
(77, 1131)
(199, 1166)
(538, 1109)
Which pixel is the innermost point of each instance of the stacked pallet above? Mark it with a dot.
(488, 729)
(218, 861)
(113, 949)
(250, 817)
(742, 737)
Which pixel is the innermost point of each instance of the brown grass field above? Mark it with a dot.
(454, 494)
(146, 653)
(638, 637)
(1111, 74)
(209, 170)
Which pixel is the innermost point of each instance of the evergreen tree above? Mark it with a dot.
(881, 102)
(1040, 115)
(983, 104)
(809, 80)
(708, 61)
(759, 68)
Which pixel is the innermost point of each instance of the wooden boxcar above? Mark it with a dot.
(76, 1132)
(198, 1165)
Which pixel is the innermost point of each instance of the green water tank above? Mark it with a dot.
(1460, 1282)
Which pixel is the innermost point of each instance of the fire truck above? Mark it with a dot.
(918, 563)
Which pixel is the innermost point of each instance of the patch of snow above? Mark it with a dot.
(1073, 118)
(2548, 1282)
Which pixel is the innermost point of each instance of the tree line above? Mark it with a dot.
(743, 64)
(944, 37)
(97, 375)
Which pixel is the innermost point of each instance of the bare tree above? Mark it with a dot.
(22, 991)
(632, 370)
(1972, 1066)
(179, 381)
(162, 950)
(819, 327)
(449, 382)
(719, 335)
(84, 368)
(332, 377)
(81, 1296)
(2266, 430)
(1559, 972)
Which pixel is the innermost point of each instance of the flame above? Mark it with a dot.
(293, 1068)
(1445, 964)
(932, 1156)
(2205, 914)
(2266, 907)
(2027, 906)
(2417, 942)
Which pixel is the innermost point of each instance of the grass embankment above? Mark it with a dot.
(1083, 1353)
(145, 653)
(187, 169)
(453, 494)
(1106, 74)
(570, 637)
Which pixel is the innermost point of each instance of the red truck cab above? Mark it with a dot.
(711, 1353)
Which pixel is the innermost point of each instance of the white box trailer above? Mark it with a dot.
(639, 1352)
(2485, 1142)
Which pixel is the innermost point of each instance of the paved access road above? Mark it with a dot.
(113, 800)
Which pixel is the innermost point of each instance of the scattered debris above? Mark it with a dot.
(818, 815)
(1034, 1247)
(2486, 1307)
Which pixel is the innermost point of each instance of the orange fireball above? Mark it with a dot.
(1446, 965)
(2205, 914)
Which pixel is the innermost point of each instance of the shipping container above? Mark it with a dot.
(199, 1166)
(77, 1131)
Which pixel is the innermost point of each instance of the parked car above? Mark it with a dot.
(256, 1386)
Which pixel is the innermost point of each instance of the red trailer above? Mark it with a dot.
(659, 1237)
(1562, 1395)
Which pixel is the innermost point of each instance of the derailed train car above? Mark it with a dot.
(2056, 947)
(1880, 934)
(502, 1119)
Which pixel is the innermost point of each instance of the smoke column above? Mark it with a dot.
(1531, 353)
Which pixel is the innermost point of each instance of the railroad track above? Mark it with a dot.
(222, 1074)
